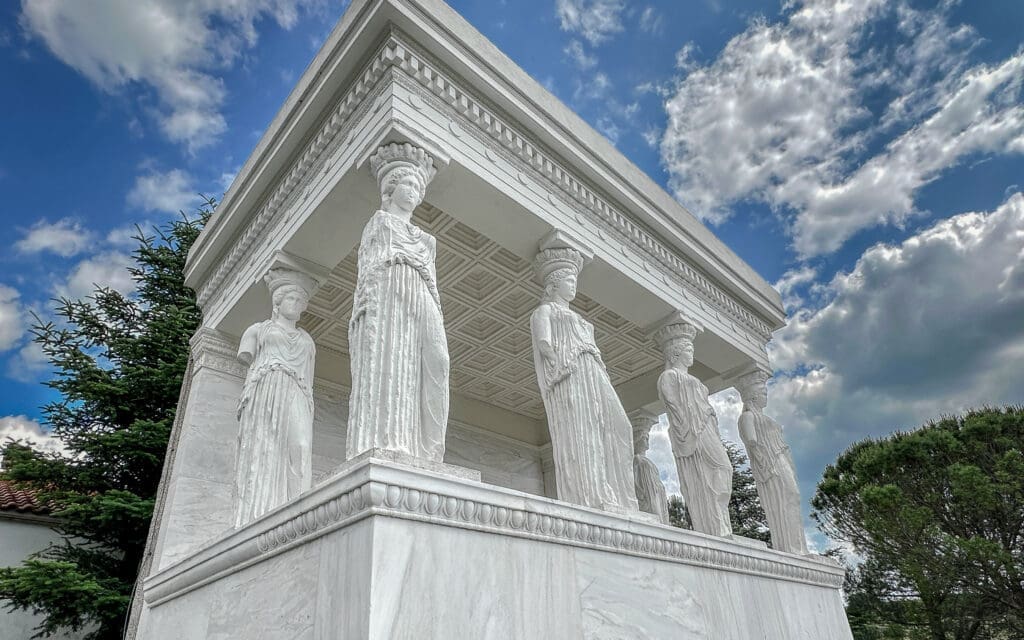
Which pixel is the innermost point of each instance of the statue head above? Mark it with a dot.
(642, 421)
(558, 270)
(290, 292)
(403, 173)
(676, 342)
(753, 388)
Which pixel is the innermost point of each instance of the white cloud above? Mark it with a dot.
(29, 431)
(107, 269)
(12, 317)
(28, 363)
(916, 330)
(65, 237)
(651, 21)
(595, 20)
(579, 55)
(169, 191)
(782, 116)
(174, 48)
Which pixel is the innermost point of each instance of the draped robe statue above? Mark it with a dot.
(590, 433)
(705, 471)
(275, 412)
(650, 491)
(772, 465)
(397, 344)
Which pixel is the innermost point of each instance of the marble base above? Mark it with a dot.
(385, 550)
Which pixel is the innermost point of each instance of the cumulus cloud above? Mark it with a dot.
(12, 317)
(578, 54)
(65, 237)
(28, 363)
(596, 21)
(169, 192)
(30, 432)
(784, 115)
(915, 330)
(107, 269)
(174, 48)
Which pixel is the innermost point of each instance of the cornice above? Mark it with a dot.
(493, 129)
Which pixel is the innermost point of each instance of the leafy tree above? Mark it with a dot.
(938, 516)
(118, 363)
(745, 510)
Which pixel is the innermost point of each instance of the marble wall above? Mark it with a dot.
(384, 551)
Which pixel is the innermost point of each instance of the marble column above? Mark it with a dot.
(195, 503)
(590, 434)
(650, 491)
(397, 343)
(772, 465)
(705, 471)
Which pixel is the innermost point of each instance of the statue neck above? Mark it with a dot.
(285, 322)
(406, 216)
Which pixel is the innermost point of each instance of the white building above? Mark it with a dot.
(383, 549)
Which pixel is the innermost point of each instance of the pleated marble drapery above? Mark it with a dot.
(705, 472)
(771, 462)
(275, 435)
(590, 434)
(397, 344)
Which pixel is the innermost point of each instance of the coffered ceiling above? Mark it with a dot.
(487, 295)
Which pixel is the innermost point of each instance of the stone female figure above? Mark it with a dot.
(397, 344)
(772, 464)
(705, 472)
(650, 492)
(590, 433)
(275, 411)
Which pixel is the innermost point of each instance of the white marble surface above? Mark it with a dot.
(274, 461)
(591, 439)
(705, 471)
(771, 462)
(397, 343)
(367, 556)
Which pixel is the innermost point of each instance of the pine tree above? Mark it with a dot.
(118, 363)
(745, 510)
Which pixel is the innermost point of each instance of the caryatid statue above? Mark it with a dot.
(397, 343)
(772, 464)
(590, 433)
(705, 471)
(275, 412)
(650, 491)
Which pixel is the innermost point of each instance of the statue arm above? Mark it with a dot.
(540, 327)
(747, 431)
(247, 345)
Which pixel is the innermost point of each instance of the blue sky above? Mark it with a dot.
(865, 156)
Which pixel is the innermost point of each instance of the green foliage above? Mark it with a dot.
(745, 510)
(118, 363)
(938, 516)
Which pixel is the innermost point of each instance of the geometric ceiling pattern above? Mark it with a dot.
(487, 296)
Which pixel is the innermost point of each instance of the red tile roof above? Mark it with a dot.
(20, 500)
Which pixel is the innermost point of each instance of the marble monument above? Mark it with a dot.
(275, 409)
(650, 491)
(705, 472)
(399, 354)
(772, 465)
(489, 271)
(590, 440)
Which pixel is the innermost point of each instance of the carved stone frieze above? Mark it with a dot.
(216, 350)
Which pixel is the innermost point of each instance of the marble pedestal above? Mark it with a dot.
(385, 550)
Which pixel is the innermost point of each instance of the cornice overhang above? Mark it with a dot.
(458, 63)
